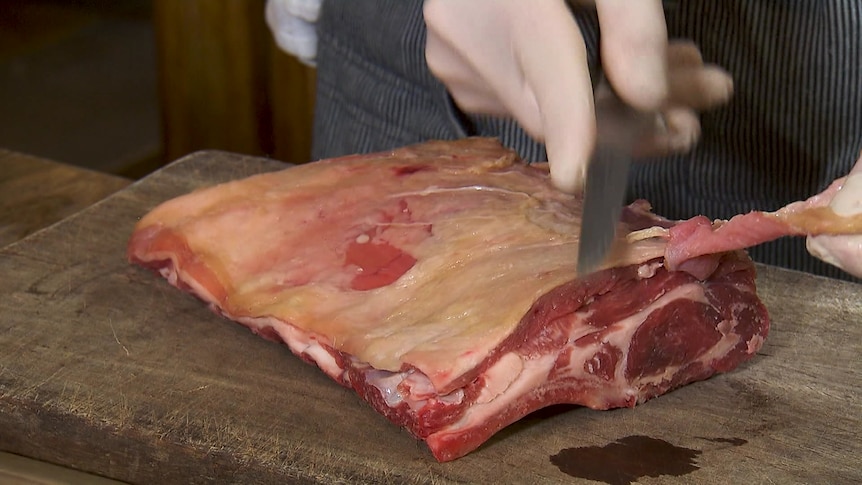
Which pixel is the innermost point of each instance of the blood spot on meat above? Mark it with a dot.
(411, 169)
(404, 209)
(379, 264)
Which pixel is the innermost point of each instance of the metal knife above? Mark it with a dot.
(618, 128)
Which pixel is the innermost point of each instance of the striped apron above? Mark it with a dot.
(793, 125)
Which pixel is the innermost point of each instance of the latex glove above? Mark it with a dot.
(528, 60)
(844, 252)
(292, 25)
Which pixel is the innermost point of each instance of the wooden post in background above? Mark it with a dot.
(224, 84)
(292, 90)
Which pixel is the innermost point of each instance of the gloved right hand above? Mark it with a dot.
(528, 60)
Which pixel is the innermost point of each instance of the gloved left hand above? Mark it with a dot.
(843, 251)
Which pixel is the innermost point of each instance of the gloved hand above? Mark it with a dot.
(292, 26)
(845, 251)
(528, 60)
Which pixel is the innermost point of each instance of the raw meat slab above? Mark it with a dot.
(436, 280)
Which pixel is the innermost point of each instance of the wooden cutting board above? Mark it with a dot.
(106, 368)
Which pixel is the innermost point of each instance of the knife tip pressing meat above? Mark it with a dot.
(618, 129)
(604, 195)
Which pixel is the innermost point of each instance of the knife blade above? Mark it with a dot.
(618, 128)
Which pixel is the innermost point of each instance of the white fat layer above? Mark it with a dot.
(411, 387)
(434, 190)
(534, 373)
(646, 271)
(648, 233)
(419, 389)
(500, 376)
(419, 384)
(754, 343)
(299, 342)
(387, 383)
(169, 272)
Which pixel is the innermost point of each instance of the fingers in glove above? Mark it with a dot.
(448, 61)
(677, 130)
(682, 53)
(559, 79)
(485, 74)
(634, 50)
(700, 88)
(522, 59)
(691, 82)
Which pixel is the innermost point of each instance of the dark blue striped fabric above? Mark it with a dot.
(793, 125)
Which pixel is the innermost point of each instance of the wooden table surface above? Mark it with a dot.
(105, 368)
(35, 193)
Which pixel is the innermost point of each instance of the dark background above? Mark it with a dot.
(127, 86)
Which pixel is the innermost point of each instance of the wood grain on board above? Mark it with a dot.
(38, 192)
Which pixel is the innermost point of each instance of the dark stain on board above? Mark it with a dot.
(628, 459)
